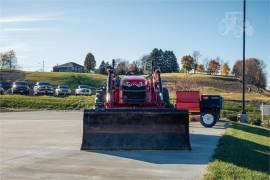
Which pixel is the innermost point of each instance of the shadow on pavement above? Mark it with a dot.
(202, 149)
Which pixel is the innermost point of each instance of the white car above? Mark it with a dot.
(43, 88)
(62, 90)
(83, 90)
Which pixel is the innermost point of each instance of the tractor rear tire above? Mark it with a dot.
(209, 119)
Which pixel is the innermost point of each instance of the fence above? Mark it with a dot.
(265, 112)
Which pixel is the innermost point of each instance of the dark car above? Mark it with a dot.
(20, 87)
(2, 91)
(43, 88)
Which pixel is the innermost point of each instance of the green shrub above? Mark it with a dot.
(233, 117)
(253, 121)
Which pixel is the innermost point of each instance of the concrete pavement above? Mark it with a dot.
(46, 145)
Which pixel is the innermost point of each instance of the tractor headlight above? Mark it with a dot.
(161, 96)
(108, 98)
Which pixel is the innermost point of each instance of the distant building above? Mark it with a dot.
(68, 67)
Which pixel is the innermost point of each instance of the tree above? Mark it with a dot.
(200, 68)
(213, 66)
(8, 60)
(187, 62)
(170, 64)
(89, 62)
(146, 63)
(165, 60)
(103, 67)
(255, 71)
(121, 66)
(225, 69)
(157, 57)
(196, 55)
(139, 66)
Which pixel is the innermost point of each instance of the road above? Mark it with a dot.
(46, 145)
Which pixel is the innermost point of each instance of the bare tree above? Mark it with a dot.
(8, 60)
(121, 66)
(196, 55)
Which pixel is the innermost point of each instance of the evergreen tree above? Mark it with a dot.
(165, 60)
(102, 68)
(170, 60)
(157, 56)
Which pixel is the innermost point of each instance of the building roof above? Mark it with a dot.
(67, 65)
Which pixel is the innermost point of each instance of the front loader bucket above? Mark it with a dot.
(135, 129)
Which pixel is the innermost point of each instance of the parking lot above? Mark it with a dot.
(46, 145)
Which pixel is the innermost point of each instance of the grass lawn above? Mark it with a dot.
(45, 102)
(243, 153)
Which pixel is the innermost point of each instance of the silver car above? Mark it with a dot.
(83, 90)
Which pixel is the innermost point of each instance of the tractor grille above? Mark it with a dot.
(134, 95)
(133, 88)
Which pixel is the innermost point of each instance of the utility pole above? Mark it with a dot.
(244, 116)
(43, 65)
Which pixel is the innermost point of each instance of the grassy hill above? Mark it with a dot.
(228, 87)
(71, 79)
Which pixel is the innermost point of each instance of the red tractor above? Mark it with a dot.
(134, 112)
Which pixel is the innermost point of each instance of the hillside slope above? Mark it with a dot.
(230, 88)
(71, 79)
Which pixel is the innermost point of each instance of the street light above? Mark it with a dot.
(244, 116)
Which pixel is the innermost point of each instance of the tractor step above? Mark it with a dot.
(135, 129)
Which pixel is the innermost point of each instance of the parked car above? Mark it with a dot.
(62, 90)
(2, 91)
(20, 87)
(43, 88)
(83, 90)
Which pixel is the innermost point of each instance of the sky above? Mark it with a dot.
(60, 31)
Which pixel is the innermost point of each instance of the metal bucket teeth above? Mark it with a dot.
(139, 129)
